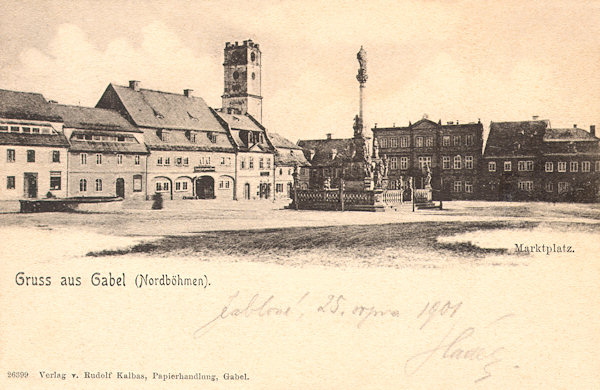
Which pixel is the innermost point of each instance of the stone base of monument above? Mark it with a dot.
(424, 199)
(345, 200)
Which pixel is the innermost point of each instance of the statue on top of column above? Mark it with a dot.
(362, 62)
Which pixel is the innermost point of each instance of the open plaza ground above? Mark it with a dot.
(463, 232)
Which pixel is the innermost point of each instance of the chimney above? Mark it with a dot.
(575, 126)
(188, 92)
(593, 130)
(535, 117)
(134, 84)
(328, 135)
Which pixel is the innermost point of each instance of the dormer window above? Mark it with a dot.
(163, 135)
(191, 136)
(212, 137)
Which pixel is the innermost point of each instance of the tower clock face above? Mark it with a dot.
(253, 56)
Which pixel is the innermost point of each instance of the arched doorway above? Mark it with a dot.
(205, 187)
(120, 188)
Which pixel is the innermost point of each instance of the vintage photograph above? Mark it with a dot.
(277, 194)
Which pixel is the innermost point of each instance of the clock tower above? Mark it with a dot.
(242, 90)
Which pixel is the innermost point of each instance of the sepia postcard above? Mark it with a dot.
(299, 195)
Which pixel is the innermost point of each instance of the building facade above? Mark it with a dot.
(289, 161)
(191, 154)
(33, 149)
(254, 155)
(451, 152)
(107, 154)
(528, 160)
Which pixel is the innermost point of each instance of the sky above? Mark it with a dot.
(450, 60)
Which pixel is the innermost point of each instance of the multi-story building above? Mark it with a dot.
(571, 165)
(254, 155)
(107, 154)
(191, 154)
(332, 160)
(451, 152)
(289, 158)
(511, 168)
(33, 149)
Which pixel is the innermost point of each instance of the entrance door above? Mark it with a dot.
(120, 188)
(265, 190)
(31, 185)
(205, 187)
(247, 191)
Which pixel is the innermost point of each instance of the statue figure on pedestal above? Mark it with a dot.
(428, 178)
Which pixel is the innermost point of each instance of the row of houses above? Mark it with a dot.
(523, 160)
(137, 142)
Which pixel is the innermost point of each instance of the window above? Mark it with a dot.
(31, 155)
(469, 140)
(574, 166)
(98, 185)
(99, 159)
(563, 187)
(159, 161)
(10, 155)
(279, 187)
(419, 142)
(403, 162)
(468, 187)
(394, 142)
(597, 168)
(468, 163)
(525, 166)
(35, 130)
(212, 137)
(383, 142)
(243, 163)
(404, 142)
(457, 162)
(137, 183)
(492, 166)
(429, 142)
(458, 186)
(549, 186)
(181, 185)
(136, 159)
(507, 166)
(446, 140)
(251, 163)
(119, 159)
(162, 186)
(424, 162)
(26, 129)
(10, 182)
(55, 180)
(82, 185)
(280, 171)
(456, 140)
(525, 185)
(394, 163)
(15, 129)
(562, 166)
(268, 161)
(83, 158)
(585, 166)
(445, 162)
(549, 167)
(261, 163)
(186, 161)
(205, 160)
(4, 129)
(56, 156)
(178, 161)
(167, 161)
(222, 160)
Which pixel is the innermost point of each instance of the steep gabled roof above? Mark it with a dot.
(92, 118)
(178, 141)
(515, 138)
(165, 110)
(239, 122)
(281, 142)
(333, 152)
(50, 140)
(26, 105)
(568, 135)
